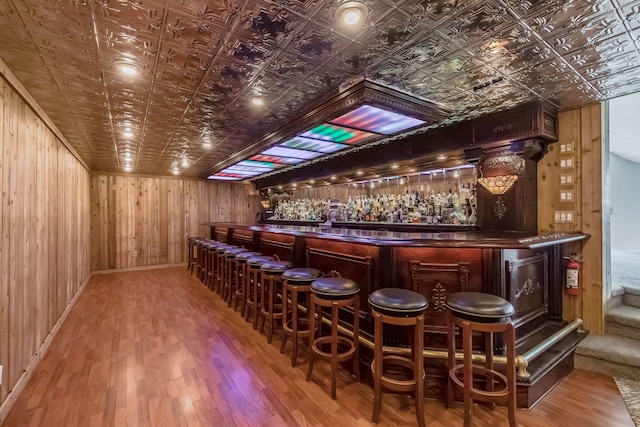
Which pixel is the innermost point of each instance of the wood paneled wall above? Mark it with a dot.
(44, 233)
(582, 128)
(143, 221)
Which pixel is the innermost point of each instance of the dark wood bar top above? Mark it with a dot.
(449, 239)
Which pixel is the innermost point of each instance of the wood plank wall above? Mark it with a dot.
(44, 232)
(144, 221)
(582, 128)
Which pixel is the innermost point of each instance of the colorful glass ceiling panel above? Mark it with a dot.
(302, 143)
(374, 119)
(339, 134)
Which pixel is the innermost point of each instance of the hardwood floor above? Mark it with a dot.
(156, 348)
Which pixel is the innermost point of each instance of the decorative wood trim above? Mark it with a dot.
(529, 287)
(354, 259)
(417, 267)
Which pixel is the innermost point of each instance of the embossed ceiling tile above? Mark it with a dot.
(470, 26)
(631, 13)
(393, 31)
(306, 9)
(316, 44)
(626, 82)
(454, 66)
(226, 79)
(569, 31)
(15, 38)
(140, 16)
(528, 9)
(393, 72)
(427, 48)
(605, 59)
(56, 18)
(435, 13)
(196, 35)
(574, 96)
(286, 69)
(270, 25)
(220, 12)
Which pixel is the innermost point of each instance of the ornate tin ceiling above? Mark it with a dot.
(202, 60)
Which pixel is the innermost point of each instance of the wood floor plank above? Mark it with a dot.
(156, 348)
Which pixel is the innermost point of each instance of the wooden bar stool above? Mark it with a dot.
(270, 308)
(241, 277)
(230, 273)
(333, 293)
(220, 267)
(296, 281)
(488, 314)
(400, 307)
(252, 298)
(192, 257)
(210, 263)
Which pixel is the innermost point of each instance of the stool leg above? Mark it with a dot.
(285, 306)
(257, 297)
(312, 320)
(294, 326)
(272, 297)
(418, 347)
(451, 358)
(488, 351)
(467, 348)
(377, 367)
(510, 336)
(356, 338)
(334, 347)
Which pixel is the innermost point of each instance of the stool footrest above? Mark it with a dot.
(476, 393)
(341, 356)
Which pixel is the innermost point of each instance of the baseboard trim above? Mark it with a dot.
(16, 391)
(140, 268)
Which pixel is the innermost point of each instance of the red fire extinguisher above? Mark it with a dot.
(572, 277)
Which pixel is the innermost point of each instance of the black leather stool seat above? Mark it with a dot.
(294, 275)
(276, 267)
(244, 256)
(231, 253)
(334, 287)
(398, 302)
(257, 261)
(479, 307)
(220, 249)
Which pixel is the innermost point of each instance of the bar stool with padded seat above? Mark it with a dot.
(333, 292)
(489, 314)
(270, 309)
(208, 247)
(192, 258)
(252, 298)
(220, 267)
(296, 281)
(211, 263)
(400, 307)
(241, 277)
(230, 273)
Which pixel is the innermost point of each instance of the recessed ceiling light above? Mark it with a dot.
(333, 178)
(258, 101)
(279, 187)
(294, 185)
(351, 14)
(442, 157)
(206, 145)
(127, 134)
(359, 173)
(312, 181)
(175, 171)
(185, 162)
(394, 166)
(127, 167)
(128, 68)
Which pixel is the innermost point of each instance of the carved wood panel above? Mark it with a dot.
(435, 281)
(528, 287)
(357, 268)
(283, 250)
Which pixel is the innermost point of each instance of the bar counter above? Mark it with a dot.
(525, 269)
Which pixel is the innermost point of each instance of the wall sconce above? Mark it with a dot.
(510, 166)
(498, 184)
